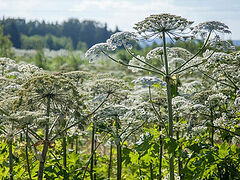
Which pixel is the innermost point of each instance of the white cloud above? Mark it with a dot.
(100, 4)
(112, 5)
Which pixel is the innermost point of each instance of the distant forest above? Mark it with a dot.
(71, 34)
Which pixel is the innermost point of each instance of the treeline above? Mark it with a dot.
(71, 34)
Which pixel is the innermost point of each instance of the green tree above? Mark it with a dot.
(5, 44)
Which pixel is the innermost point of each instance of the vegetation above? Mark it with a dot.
(174, 113)
(69, 34)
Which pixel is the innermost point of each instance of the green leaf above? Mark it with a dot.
(171, 145)
(223, 149)
(125, 155)
(234, 148)
(134, 157)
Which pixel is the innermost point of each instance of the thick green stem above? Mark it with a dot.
(179, 158)
(92, 152)
(64, 144)
(170, 113)
(10, 159)
(45, 144)
(2, 70)
(95, 159)
(21, 139)
(119, 162)
(160, 155)
(76, 145)
(64, 152)
(119, 153)
(110, 161)
(212, 129)
(26, 151)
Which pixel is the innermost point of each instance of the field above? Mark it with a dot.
(118, 111)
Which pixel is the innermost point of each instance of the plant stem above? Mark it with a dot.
(119, 155)
(170, 114)
(84, 173)
(76, 145)
(64, 152)
(124, 64)
(21, 137)
(226, 84)
(10, 159)
(144, 62)
(46, 143)
(95, 159)
(212, 129)
(92, 151)
(2, 70)
(64, 144)
(27, 158)
(76, 123)
(179, 158)
(160, 155)
(155, 110)
(110, 161)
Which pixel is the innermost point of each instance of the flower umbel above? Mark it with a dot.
(157, 23)
(95, 50)
(210, 26)
(119, 38)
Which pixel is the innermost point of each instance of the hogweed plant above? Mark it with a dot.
(162, 26)
(42, 103)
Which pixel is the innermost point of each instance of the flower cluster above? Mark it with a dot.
(176, 62)
(5, 61)
(215, 100)
(120, 38)
(116, 40)
(6, 64)
(181, 53)
(158, 53)
(116, 88)
(219, 44)
(28, 69)
(190, 87)
(148, 81)
(136, 62)
(96, 50)
(237, 101)
(210, 26)
(163, 23)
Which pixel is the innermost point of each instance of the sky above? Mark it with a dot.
(125, 13)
